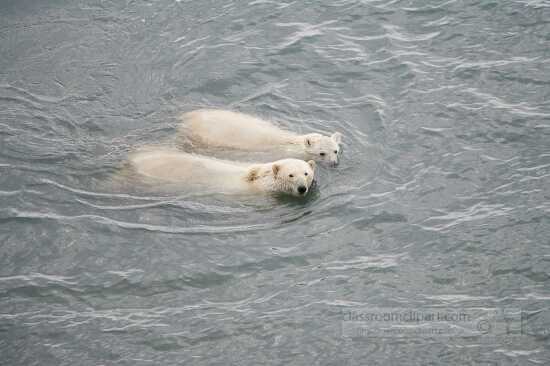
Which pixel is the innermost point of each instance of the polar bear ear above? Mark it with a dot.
(311, 138)
(312, 164)
(253, 174)
(336, 137)
(275, 169)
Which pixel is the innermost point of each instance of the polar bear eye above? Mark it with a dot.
(336, 151)
(291, 175)
(305, 173)
(322, 154)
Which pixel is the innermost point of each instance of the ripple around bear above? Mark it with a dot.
(291, 176)
(221, 128)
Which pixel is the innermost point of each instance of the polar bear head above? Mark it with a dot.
(323, 148)
(290, 176)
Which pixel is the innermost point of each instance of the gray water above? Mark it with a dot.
(441, 199)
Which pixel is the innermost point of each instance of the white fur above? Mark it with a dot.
(222, 176)
(220, 128)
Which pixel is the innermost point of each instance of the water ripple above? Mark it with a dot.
(13, 214)
(440, 197)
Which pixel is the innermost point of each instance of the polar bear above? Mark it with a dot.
(222, 128)
(290, 176)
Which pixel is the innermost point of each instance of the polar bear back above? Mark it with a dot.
(233, 130)
(177, 167)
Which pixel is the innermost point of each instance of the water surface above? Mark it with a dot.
(441, 198)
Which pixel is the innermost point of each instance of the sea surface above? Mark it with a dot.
(441, 201)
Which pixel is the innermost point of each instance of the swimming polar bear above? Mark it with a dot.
(291, 176)
(221, 128)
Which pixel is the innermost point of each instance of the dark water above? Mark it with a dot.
(442, 197)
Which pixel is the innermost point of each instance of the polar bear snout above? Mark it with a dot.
(302, 189)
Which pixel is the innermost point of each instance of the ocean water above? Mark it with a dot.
(441, 200)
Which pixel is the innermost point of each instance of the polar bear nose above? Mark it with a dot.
(302, 189)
